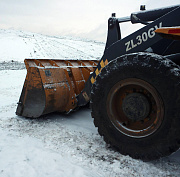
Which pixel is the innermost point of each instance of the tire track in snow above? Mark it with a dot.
(86, 148)
(50, 47)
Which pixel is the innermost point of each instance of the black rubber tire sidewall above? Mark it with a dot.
(157, 71)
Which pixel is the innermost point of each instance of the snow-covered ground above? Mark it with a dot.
(57, 144)
(18, 45)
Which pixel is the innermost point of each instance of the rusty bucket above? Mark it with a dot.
(53, 85)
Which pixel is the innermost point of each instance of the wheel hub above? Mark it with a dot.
(136, 106)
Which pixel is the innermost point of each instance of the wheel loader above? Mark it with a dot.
(133, 90)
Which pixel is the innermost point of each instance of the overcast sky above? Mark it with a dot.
(84, 18)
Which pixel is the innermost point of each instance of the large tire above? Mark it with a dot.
(149, 129)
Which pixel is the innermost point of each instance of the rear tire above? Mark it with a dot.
(135, 105)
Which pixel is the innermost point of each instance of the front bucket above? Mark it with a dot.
(52, 85)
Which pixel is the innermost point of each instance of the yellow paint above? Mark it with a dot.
(102, 64)
(106, 62)
(92, 80)
(97, 72)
